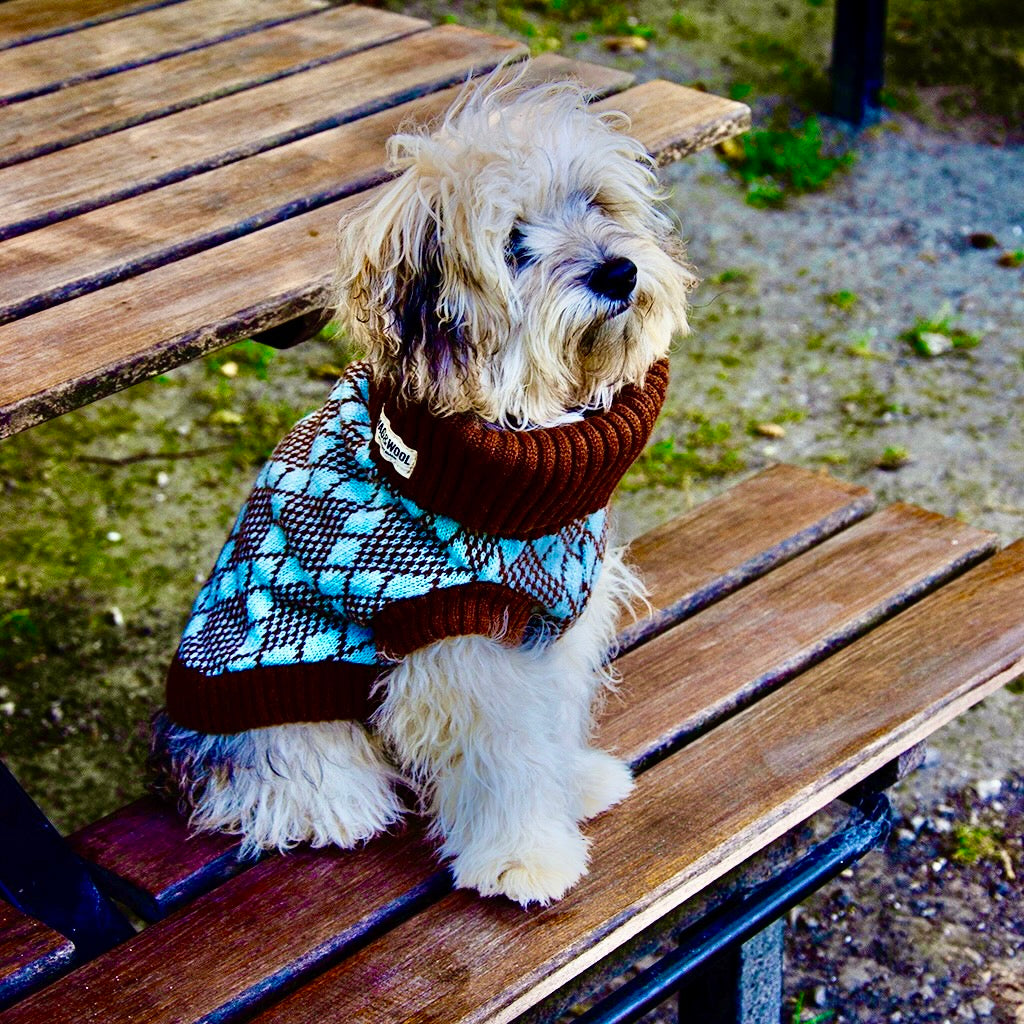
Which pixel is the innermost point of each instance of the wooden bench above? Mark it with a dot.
(171, 173)
(797, 646)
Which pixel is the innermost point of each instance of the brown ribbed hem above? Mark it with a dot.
(518, 483)
(325, 691)
(473, 609)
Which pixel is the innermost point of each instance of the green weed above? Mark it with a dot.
(798, 1013)
(775, 164)
(938, 335)
(973, 843)
(842, 300)
(894, 457)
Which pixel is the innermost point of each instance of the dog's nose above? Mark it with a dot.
(615, 279)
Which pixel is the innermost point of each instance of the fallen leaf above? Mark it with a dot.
(625, 44)
(982, 240)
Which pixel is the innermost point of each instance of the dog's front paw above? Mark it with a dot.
(537, 874)
(603, 781)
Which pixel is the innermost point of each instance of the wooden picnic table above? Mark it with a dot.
(171, 173)
(170, 180)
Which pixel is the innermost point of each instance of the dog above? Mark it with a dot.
(419, 593)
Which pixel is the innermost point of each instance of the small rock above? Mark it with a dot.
(988, 788)
(983, 1006)
(230, 369)
(116, 616)
(933, 343)
(820, 996)
(770, 430)
(162, 479)
(114, 537)
(7, 708)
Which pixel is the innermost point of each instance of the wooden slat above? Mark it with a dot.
(92, 346)
(736, 537)
(694, 816)
(149, 155)
(149, 859)
(50, 64)
(144, 849)
(24, 20)
(60, 261)
(30, 953)
(103, 105)
(260, 931)
(699, 672)
(290, 913)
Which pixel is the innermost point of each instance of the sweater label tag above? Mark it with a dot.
(393, 448)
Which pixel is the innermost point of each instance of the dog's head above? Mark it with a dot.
(519, 267)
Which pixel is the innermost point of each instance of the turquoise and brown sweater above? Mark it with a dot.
(376, 529)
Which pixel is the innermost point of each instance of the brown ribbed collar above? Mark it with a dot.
(512, 483)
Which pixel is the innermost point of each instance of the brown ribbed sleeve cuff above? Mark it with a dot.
(232, 702)
(513, 483)
(474, 609)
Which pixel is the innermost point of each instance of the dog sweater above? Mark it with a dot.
(376, 529)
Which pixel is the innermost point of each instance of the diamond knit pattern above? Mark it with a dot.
(323, 544)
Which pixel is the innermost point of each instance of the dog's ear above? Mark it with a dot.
(391, 289)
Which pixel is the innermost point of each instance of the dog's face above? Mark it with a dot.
(519, 267)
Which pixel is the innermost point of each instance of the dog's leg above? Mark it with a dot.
(481, 729)
(583, 655)
(325, 783)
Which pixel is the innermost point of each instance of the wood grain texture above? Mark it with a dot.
(682, 121)
(50, 64)
(148, 858)
(30, 954)
(92, 346)
(693, 676)
(233, 949)
(144, 850)
(725, 542)
(157, 153)
(60, 261)
(694, 816)
(115, 102)
(25, 20)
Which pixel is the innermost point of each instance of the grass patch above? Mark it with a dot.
(775, 164)
(706, 451)
(973, 46)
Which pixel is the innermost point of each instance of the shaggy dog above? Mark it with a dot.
(418, 590)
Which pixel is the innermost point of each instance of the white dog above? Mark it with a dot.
(418, 588)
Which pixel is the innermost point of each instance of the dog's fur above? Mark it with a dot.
(466, 284)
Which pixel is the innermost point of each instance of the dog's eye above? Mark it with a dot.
(517, 254)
